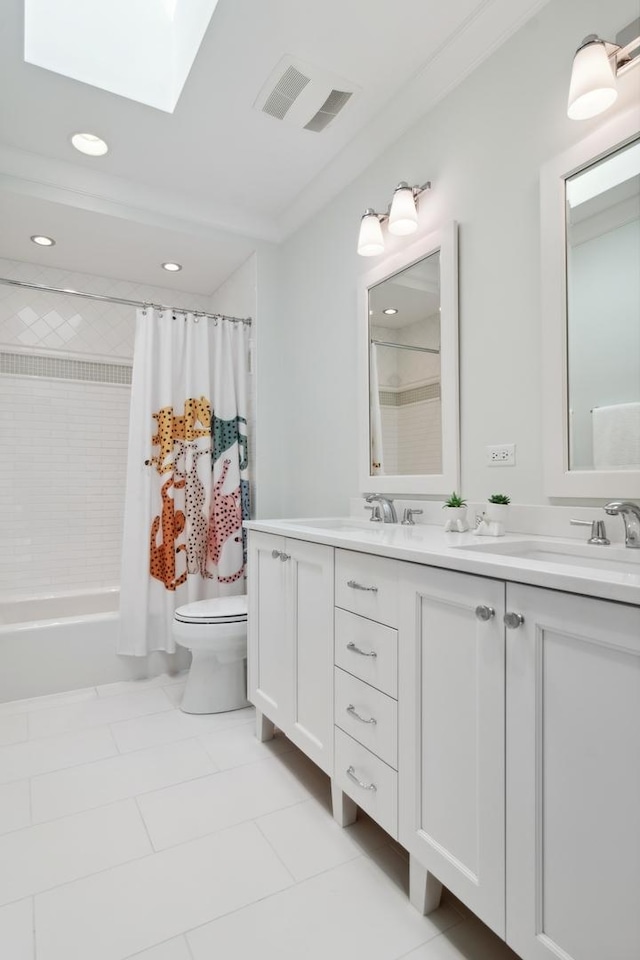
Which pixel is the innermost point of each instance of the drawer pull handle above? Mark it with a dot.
(485, 613)
(354, 713)
(351, 773)
(363, 653)
(358, 586)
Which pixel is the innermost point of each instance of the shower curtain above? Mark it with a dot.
(187, 472)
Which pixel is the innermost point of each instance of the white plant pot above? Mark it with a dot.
(497, 513)
(455, 519)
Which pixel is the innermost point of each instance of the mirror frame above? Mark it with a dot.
(559, 479)
(446, 241)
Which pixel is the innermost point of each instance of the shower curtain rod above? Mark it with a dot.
(129, 303)
(404, 346)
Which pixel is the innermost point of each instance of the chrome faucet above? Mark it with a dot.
(630, 513)
(385, 505)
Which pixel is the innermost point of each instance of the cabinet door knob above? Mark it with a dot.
(351, 773)
(513, 620)
(354, 713)
(275, 554)
(358, 586)
(285, 556)
(485, 613)
(363, 653)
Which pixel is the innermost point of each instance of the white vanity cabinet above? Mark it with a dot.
(573, 777)
(452, 738)
(290, 642)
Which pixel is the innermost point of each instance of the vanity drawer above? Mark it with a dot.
(367, 715)
(367, 780)
(368, 650)
(367, 585)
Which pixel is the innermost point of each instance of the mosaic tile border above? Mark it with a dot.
(391, 398)
(63, 368)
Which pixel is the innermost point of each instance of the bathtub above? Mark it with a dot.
(67, 641)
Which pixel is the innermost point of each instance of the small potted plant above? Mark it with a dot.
(497, 508)
(456, 514)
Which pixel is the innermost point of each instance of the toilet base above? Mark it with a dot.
(214, 686)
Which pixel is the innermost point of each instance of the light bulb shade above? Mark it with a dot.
(403, 216)
(370, 242)
(593, 84)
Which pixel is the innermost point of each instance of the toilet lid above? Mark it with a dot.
(220, 610)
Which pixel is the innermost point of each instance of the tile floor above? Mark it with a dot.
(131, 830)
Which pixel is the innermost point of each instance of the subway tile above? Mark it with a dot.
(15, 807)
(173, 726)
(33, 757)
(16, 931)
(78, 716)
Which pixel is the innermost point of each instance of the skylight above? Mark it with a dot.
(139, 49)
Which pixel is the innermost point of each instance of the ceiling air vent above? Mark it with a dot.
(304, 95)
(289, 86)
(332, 106)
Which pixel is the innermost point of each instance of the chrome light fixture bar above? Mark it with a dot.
(596, 66)
(402, 216)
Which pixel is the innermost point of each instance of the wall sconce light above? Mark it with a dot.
(402, 216)
(596, 66)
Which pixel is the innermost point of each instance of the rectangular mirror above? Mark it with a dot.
(590, 283)
(409, 423)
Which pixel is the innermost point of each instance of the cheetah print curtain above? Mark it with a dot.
(187, 473)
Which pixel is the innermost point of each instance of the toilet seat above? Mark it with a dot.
(220, 610)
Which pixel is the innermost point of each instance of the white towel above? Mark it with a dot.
(616, 437)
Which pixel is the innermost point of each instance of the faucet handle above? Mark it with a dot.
(375, 512)
(598, 531)
(408, 515)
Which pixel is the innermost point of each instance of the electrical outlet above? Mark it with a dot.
(501, 455)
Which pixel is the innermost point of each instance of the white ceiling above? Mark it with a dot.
(201, 185)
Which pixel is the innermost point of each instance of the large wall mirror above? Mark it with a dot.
(591, 315)
(409, 370)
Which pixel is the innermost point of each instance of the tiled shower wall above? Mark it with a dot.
(64, 410)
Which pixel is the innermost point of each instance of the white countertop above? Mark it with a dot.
(429, 544)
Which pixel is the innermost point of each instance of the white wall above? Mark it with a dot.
(482, 147)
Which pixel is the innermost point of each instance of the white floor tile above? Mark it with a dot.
(175, 692)
(55, 753)
(309, 841)
(15, 807)
(135, 906)
(136, 686)
(172, 727)
(175, 949)
(45, 703)
(13, 729)
(210, 804)
(40, 857)
(469, 940)
(92, 713)
(351, 911)
(16, 931)
(95, 784)
(235, 747)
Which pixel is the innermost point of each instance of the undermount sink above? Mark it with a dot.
(585, 555)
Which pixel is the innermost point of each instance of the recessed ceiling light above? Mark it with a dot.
(90, 144)
(172, 267)
(390, 311)
(43, 241)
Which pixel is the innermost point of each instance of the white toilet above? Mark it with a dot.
(215, 631)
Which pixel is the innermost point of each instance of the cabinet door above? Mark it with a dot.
(310, 625)
(451, 734)
(269, 650)
(573, 781)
